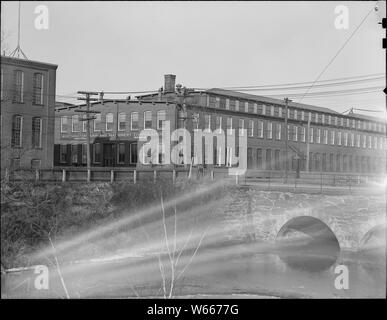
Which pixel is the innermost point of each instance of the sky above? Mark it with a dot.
(129, 46)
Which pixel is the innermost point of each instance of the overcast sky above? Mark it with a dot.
(129, 46)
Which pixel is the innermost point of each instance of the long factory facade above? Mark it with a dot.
(318, 139)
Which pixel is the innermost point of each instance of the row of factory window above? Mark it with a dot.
(268, 159)
(120, 153)
(255, 128)
(35, 132)
(296, 114)
(18, 88)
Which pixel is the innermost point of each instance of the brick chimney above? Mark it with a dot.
(169, 83)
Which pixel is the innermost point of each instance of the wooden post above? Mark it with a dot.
(111, 176)
(134, 176)
(88, 175)
(173, 176)
(63, 175)
(37, 175)
(154, 176)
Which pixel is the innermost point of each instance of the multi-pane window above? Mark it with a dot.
(325, 136)
(195, 120)
(217, 102)
(246, 107)
(38, 89)
(332, 137)
(75, 123)
(84, 152)
(295, 114)
(109, 122)
(97, 152)
(369, 142)
(18, 94)
(227, 104)
(278, 131)
(218, 124)
(17, 127)
(97, 122)
(236, 105)
(302, 115)
(364, 141)
(74, 153)
(255, 108)
(295, 133)
(229, 126)
(63, 153)
(272, 111)
(64, 124)
(122, 121)
(311, 135)
(277, 159)
(323, 119)
(302, 134)
(241, 126)
(251, 128)
(289, 131)
(259, 159)
(352, 140)
(134, 121)
(36, 132)
(121, 153)
(280, 112)
(318, 136)
(345, 139)
(147, 119)
(358, 140)
(84, 123)
(260, 129)
(263, 109)
(207, 122)
(133, 153)
(268, 159)
(161, 117)
(375, 142)
(269, 130)
(329, 119)
(339, 138)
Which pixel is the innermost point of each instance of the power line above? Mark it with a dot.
(338, 52)
(286, 85)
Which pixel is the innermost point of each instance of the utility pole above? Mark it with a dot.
(87, 98)
(286, 138)
(307, 145)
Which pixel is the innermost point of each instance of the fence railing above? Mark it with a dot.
(270, 178)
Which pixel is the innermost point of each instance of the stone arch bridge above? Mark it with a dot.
(355, 220)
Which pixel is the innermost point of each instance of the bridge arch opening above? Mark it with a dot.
(307, 243)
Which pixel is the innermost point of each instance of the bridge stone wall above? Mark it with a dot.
(251, 213)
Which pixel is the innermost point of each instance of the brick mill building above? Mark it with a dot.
(27, 113)
(319, 139)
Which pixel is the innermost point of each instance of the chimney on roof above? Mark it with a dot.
(169, 83)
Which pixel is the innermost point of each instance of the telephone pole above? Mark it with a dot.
(286, 138)
(87, 98)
